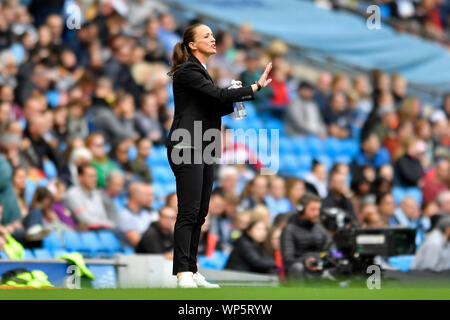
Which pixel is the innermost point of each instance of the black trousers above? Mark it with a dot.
(194, 186)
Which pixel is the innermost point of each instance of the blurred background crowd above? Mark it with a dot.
(84, 115)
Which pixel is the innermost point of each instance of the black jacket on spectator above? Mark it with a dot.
(38, 150)
(408, 171)
(301, 239)
(251, 257)
(341, 202)
(155, 241)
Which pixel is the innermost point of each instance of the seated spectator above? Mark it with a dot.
(39, 151)
(372, 153)
(208, 242)
(11, 147)
(250, 253)
(273, 242)
(303, 239)
(58, 189)
(276, 199)
(254, 193)
(439, 183)
(363, 187)
(85, 201)
(229, 179)
(225, 220)
(388, 122)
(295, 190)
(33, 223)
(135, 218)
(102, 164)
(370, 216)
(11, 210)
(338, 117)
(303, 116)
(19, 180)
(69, 172)
(77, 125)
(338, 195)
(318, 178)
(408, 215)
(434, 253)
(147, 120)
(323, 90)
(385, 179)
(443, 201)
(386, 209)
(408, 168)
(120, 156)
(158, 238)
(139, 165)
(114, 196)
(241, 221)
(172, 201)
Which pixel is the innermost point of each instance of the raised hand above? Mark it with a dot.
(263, 81)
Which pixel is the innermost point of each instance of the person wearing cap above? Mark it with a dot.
(303, 115)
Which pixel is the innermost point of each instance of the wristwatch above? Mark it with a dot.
(259, 86)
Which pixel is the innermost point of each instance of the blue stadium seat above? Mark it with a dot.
(3, 255)
(72, 241)
(349, 147)
(398, 193)
(343, 159)
(286, 146)
(333, 147)
(42, 253)
(132, 153)
(28, 254)
(128, 250)
(300, 145)
(52, 242)
(109, 241)
(403, 262)
(159, 189)
(304, 162)
(289, 163)
(59, 252)
(326, 160)
(416, 193)
(315, 145)
(217, 261)
(90, 242)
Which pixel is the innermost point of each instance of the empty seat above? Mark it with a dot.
(333, 147)
(315, 145)
(109, 241)
(28, 254)
(42, 253)
(52, 242)
(90, 243)
(72, 241)
(3, 255)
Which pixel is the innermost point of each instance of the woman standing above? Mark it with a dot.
(197, 99)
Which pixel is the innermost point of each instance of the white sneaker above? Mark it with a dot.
(186, 280)
(37, 232)
(201, 281)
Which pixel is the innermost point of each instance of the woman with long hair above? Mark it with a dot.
(199, 106)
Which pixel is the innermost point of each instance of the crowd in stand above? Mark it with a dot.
(73, 103)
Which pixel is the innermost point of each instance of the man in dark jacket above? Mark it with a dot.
(159, 236)
(303, 239)
(337, 195)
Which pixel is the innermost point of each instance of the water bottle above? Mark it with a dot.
(239, 108)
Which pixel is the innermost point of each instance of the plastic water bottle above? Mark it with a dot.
(239, 108)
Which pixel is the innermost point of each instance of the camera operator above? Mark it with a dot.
(303, 239)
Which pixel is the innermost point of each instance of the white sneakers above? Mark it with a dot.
(37, 232)
(201, 281)
(194, 280)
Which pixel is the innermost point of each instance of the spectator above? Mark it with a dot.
(318, 178)
(229, 179)
(303, 238)
(386, 208)
(19, 180)
(385, 179)
(102, 164)
(337, 116)
(8, 199)
(139, 165)
(113, 196)
(388, 123)
(34, 222)
(295, 190)
(135, 218)
(443, 201)
(434, 253)
(254, 193)
(77, 125)
(408, 168)
(85, 201)
(147, 120)
(323, 90)
(372, 153)
(250, 253)
(303, 115)
(158, 238)
(408, 215)
(370, 216)
(337, 195)
(63, 215)
(439, 183)
(276, 199)
(78, 157)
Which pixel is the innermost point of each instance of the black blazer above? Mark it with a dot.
(197, 98)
